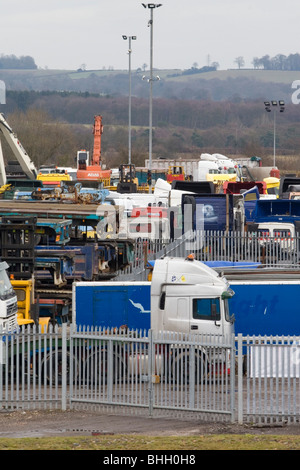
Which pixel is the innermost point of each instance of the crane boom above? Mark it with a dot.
(97, 131)
(19, 152)
(90, 169)
(3, 178)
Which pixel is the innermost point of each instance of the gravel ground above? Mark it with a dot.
(69, 423)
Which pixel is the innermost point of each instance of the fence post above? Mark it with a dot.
(151, 363)
(232, 375)
(192, 373)
(64, 367)
(240, 378)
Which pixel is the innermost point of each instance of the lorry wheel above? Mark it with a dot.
(181, 368)
(98, 369)
(52, 369)
(14, 368)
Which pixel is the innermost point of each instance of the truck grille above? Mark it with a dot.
(10, 325)
(12, 309)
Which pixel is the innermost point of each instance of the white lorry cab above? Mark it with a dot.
(276, 235)
(189, 297)
(8, 301)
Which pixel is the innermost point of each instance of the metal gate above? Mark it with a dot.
(246, 379)
(152, 374)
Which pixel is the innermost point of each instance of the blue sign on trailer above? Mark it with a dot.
(266, 308)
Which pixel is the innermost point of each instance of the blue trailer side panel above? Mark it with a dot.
(266, 308)
(112, 304)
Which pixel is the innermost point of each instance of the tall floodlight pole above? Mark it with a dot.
(269, 106)
(129, 110)
(151, 6)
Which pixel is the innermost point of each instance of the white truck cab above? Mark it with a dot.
(8, 301)
(190, 297)
(282, 234)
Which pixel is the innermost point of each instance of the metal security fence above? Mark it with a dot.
(280, 251)
(33, 368)
(243, 379)
(260, 247)
(268, 379)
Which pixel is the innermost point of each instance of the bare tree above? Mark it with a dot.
(240, 61)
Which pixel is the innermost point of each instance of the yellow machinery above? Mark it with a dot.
(217, 178)
(53, 179)
(24, 292)
(272, 185)
(4, 188)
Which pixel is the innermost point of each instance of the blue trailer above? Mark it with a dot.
(262, 307)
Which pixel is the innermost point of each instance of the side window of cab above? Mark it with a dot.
(206, 309)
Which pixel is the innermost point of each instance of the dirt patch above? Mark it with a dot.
(68, 423)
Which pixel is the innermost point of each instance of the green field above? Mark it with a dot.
(137, 443)
(274, 76)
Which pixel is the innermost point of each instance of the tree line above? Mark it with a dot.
(53, 126)
(278, 62)
(13, 62)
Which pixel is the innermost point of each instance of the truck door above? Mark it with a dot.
(109, 307)
(205, 316)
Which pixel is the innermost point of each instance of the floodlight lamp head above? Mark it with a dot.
(152, 5)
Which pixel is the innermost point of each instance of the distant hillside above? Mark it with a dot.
(234, 85)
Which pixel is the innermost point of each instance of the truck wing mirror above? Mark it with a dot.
(227, 294)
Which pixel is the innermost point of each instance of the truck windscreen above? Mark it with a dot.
(6, 288)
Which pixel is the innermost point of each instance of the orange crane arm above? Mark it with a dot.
(97, 131)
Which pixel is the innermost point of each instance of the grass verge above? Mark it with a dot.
(137, 443)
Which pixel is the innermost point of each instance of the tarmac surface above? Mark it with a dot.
(16, 424)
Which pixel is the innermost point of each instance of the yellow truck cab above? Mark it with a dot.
(24, 293)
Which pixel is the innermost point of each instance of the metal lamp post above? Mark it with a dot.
(269, 106)
(130, 38)
(151, 7)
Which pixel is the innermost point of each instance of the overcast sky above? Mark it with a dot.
(64, 34)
